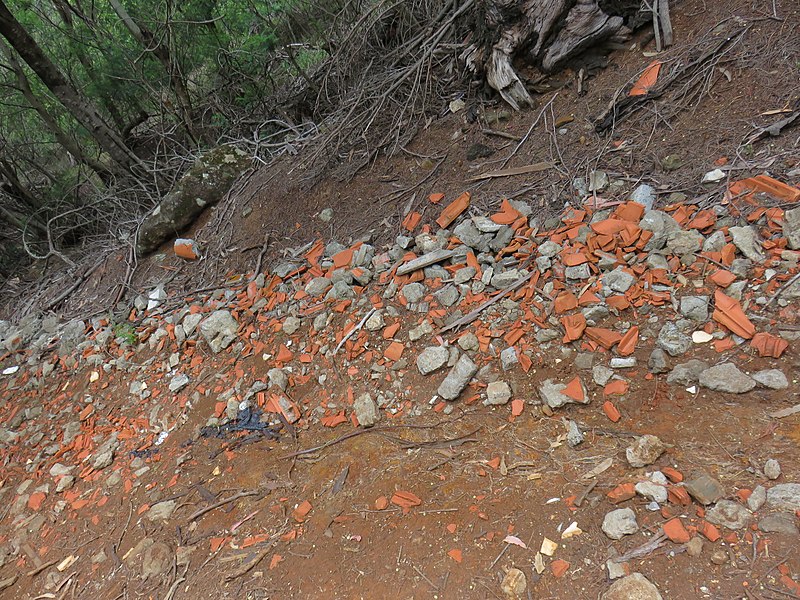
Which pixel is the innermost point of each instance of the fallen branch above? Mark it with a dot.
(63, 295)
(353, 330)
(247, 567)
(197, 514)
(643, 550)
(534, 168)
(782, 289)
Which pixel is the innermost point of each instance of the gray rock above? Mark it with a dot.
(773, 379)
(661, 224)
(486, 225)
(645, 451)
(543, 263)
(684, 242)
(431, 359)
(340, 290)
(730, 514)
(190, 323)
(291, 325)
(318, 286)
(468, 342)
(578, 272)
(498, 393)
(619, 523)
(157, 560)
(177, 383)
(784, 496)
(672, 340)
(366, 410)
(464, 275)
(695, 546)
(325, 215)
(726, 378)
(772, 469)
(695, 308)
(458, 378)
(201, 186)
(549, 249)
(502, 238)
(59, 470)
(219, 330)
(623, 362)
(705, 489)
(65, 483)
(508, 358)
(547, 335)
(420, 331)
(467, 232)
(375, 321)
(320, 321)
(601, 375)
(657, 363)
(652, 491)
(657, 261)
(574, 435)
(645, 195)
(584, 360)
(687, 373)
(413, 292)
(757, 498)
(447, 296)
(791, 228)
(746, 240)
(715, 242)
(633, 587)
(618, 280)
(779, 523)
(506, 278)
(551, 393)
(161, 511)
(278, 378)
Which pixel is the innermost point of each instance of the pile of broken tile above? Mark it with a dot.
(458, 301)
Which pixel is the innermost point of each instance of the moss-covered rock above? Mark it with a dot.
(203, 185)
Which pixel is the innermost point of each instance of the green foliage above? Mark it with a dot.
(126, 332)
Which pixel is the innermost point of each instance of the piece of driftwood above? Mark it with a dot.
(423, 261)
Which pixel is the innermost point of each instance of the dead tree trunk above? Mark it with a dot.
(544, 33)
(73, 100)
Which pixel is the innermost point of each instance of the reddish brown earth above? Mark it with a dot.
(507, 476)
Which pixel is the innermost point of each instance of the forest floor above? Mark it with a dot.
(330, 427)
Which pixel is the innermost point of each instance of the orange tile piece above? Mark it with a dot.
(559, 567)
(333, 420)
(611, 411)
(728, 312)
(769, 345)
(647, 80)
(517, 407)
(507, 215)
(621, 493)
(35, 500)
(767, 185)
(709, 531)
(627, 344)
(574, 390)
(675, 531)
(722, 278)
(678, 495)
(301, 512)
(604, 337)
(565, 301)
(391, 331)
(673, 475)
(630, 211)
(617, 387)
(574, 326)
(405, 500)
(411, 221)
(456, 555)
(394, 351)
(435, 198)
(453, 210)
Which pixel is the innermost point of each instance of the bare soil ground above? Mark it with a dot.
(500, 476)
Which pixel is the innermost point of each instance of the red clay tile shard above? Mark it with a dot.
(573, 259)
(394, 351)
(728, 312)
(769, 345)
(621, 493)
(559, 567)
(630, 211)
(435, 198)
(574, 390)
(611, 411)
(186, 249)
(675, 531)
(411, 221)
(565, 301)
(708, 531)
(35, 500)
(333, 420)
(618, 387)
(647, 80)
(302, 510)
(507, 215)
(604, 337)
(627, 344)
(722, 278)
(767, 185)
(574, 326)
(452, 210)
(672, 474)
(455, 554)
(382, 503)
(517, 406)
(405, 500)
